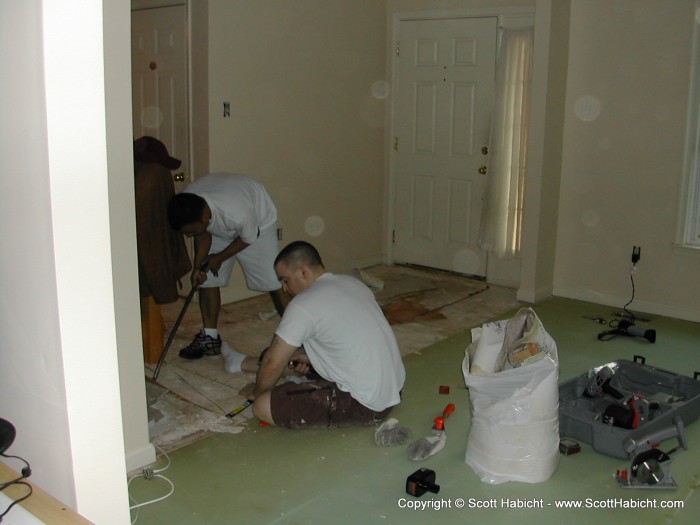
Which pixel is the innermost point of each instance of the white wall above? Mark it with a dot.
(59, 381)
(626, 110)
(304, 121)
(32, 388)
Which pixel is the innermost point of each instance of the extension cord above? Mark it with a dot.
(149, 474)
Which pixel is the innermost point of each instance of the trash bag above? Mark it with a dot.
(514, 433)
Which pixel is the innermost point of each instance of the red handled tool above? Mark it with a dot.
(433, 443)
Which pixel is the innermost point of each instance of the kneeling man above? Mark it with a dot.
(334, 325)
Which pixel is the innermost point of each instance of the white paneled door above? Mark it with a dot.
(159, 81)
(445, 82)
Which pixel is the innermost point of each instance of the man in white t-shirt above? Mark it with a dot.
(232, 218)
(333, 324)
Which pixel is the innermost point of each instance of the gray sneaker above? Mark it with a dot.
(202, 344)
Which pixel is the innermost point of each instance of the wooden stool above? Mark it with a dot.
(152, 330)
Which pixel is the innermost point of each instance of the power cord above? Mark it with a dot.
(26, 472)
(15, 502)
(616, 330)
(149, 474)
(624, 308)
(636, 255)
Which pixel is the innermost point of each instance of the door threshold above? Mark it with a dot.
(441, 270)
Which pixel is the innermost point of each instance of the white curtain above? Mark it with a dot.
(501, 220)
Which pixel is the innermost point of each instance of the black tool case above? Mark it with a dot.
(669, 394)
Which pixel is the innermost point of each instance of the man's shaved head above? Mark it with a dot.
(299, 253)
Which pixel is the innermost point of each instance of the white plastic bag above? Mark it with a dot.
(514, 434)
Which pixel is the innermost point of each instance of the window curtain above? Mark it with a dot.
(502, 214)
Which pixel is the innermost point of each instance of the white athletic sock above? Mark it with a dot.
(232, 359)
(212, 332)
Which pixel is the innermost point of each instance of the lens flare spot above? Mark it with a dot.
(314, 226)
(587, 108)
(151, 117)
(380, 89)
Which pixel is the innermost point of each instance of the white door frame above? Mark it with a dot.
(507, 17)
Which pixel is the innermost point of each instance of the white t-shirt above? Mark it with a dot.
(239, 205)
(347, 338)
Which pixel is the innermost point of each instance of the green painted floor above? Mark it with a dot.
(274, 476)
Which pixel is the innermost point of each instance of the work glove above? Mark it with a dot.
(391, 433)
(427, 446)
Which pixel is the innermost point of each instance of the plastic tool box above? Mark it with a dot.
(657, 396)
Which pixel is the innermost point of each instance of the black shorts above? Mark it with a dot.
(319, 404)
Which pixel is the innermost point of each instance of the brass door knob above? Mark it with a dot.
(179, 177)
(482, 170)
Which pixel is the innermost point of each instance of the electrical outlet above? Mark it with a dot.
(636, 254)
(280, 234)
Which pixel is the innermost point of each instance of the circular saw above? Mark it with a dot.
(651, 467)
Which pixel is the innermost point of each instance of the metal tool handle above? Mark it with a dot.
(677, 430)
(188, 300)
(173, 331)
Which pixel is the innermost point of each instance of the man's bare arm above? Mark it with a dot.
(274, 363)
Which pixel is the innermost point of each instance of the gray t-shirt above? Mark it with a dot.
(347, 339)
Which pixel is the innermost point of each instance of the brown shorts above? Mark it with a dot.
(319, 404)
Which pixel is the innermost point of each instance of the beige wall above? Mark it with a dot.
(304, 122)
(623, 163)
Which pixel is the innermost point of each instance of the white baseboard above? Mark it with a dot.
(665, 310)
(137, 459)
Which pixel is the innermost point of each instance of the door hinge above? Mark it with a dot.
(396, 143)
(393, 236)
(398, 48)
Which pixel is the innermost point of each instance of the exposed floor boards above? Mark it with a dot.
(191, 397)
